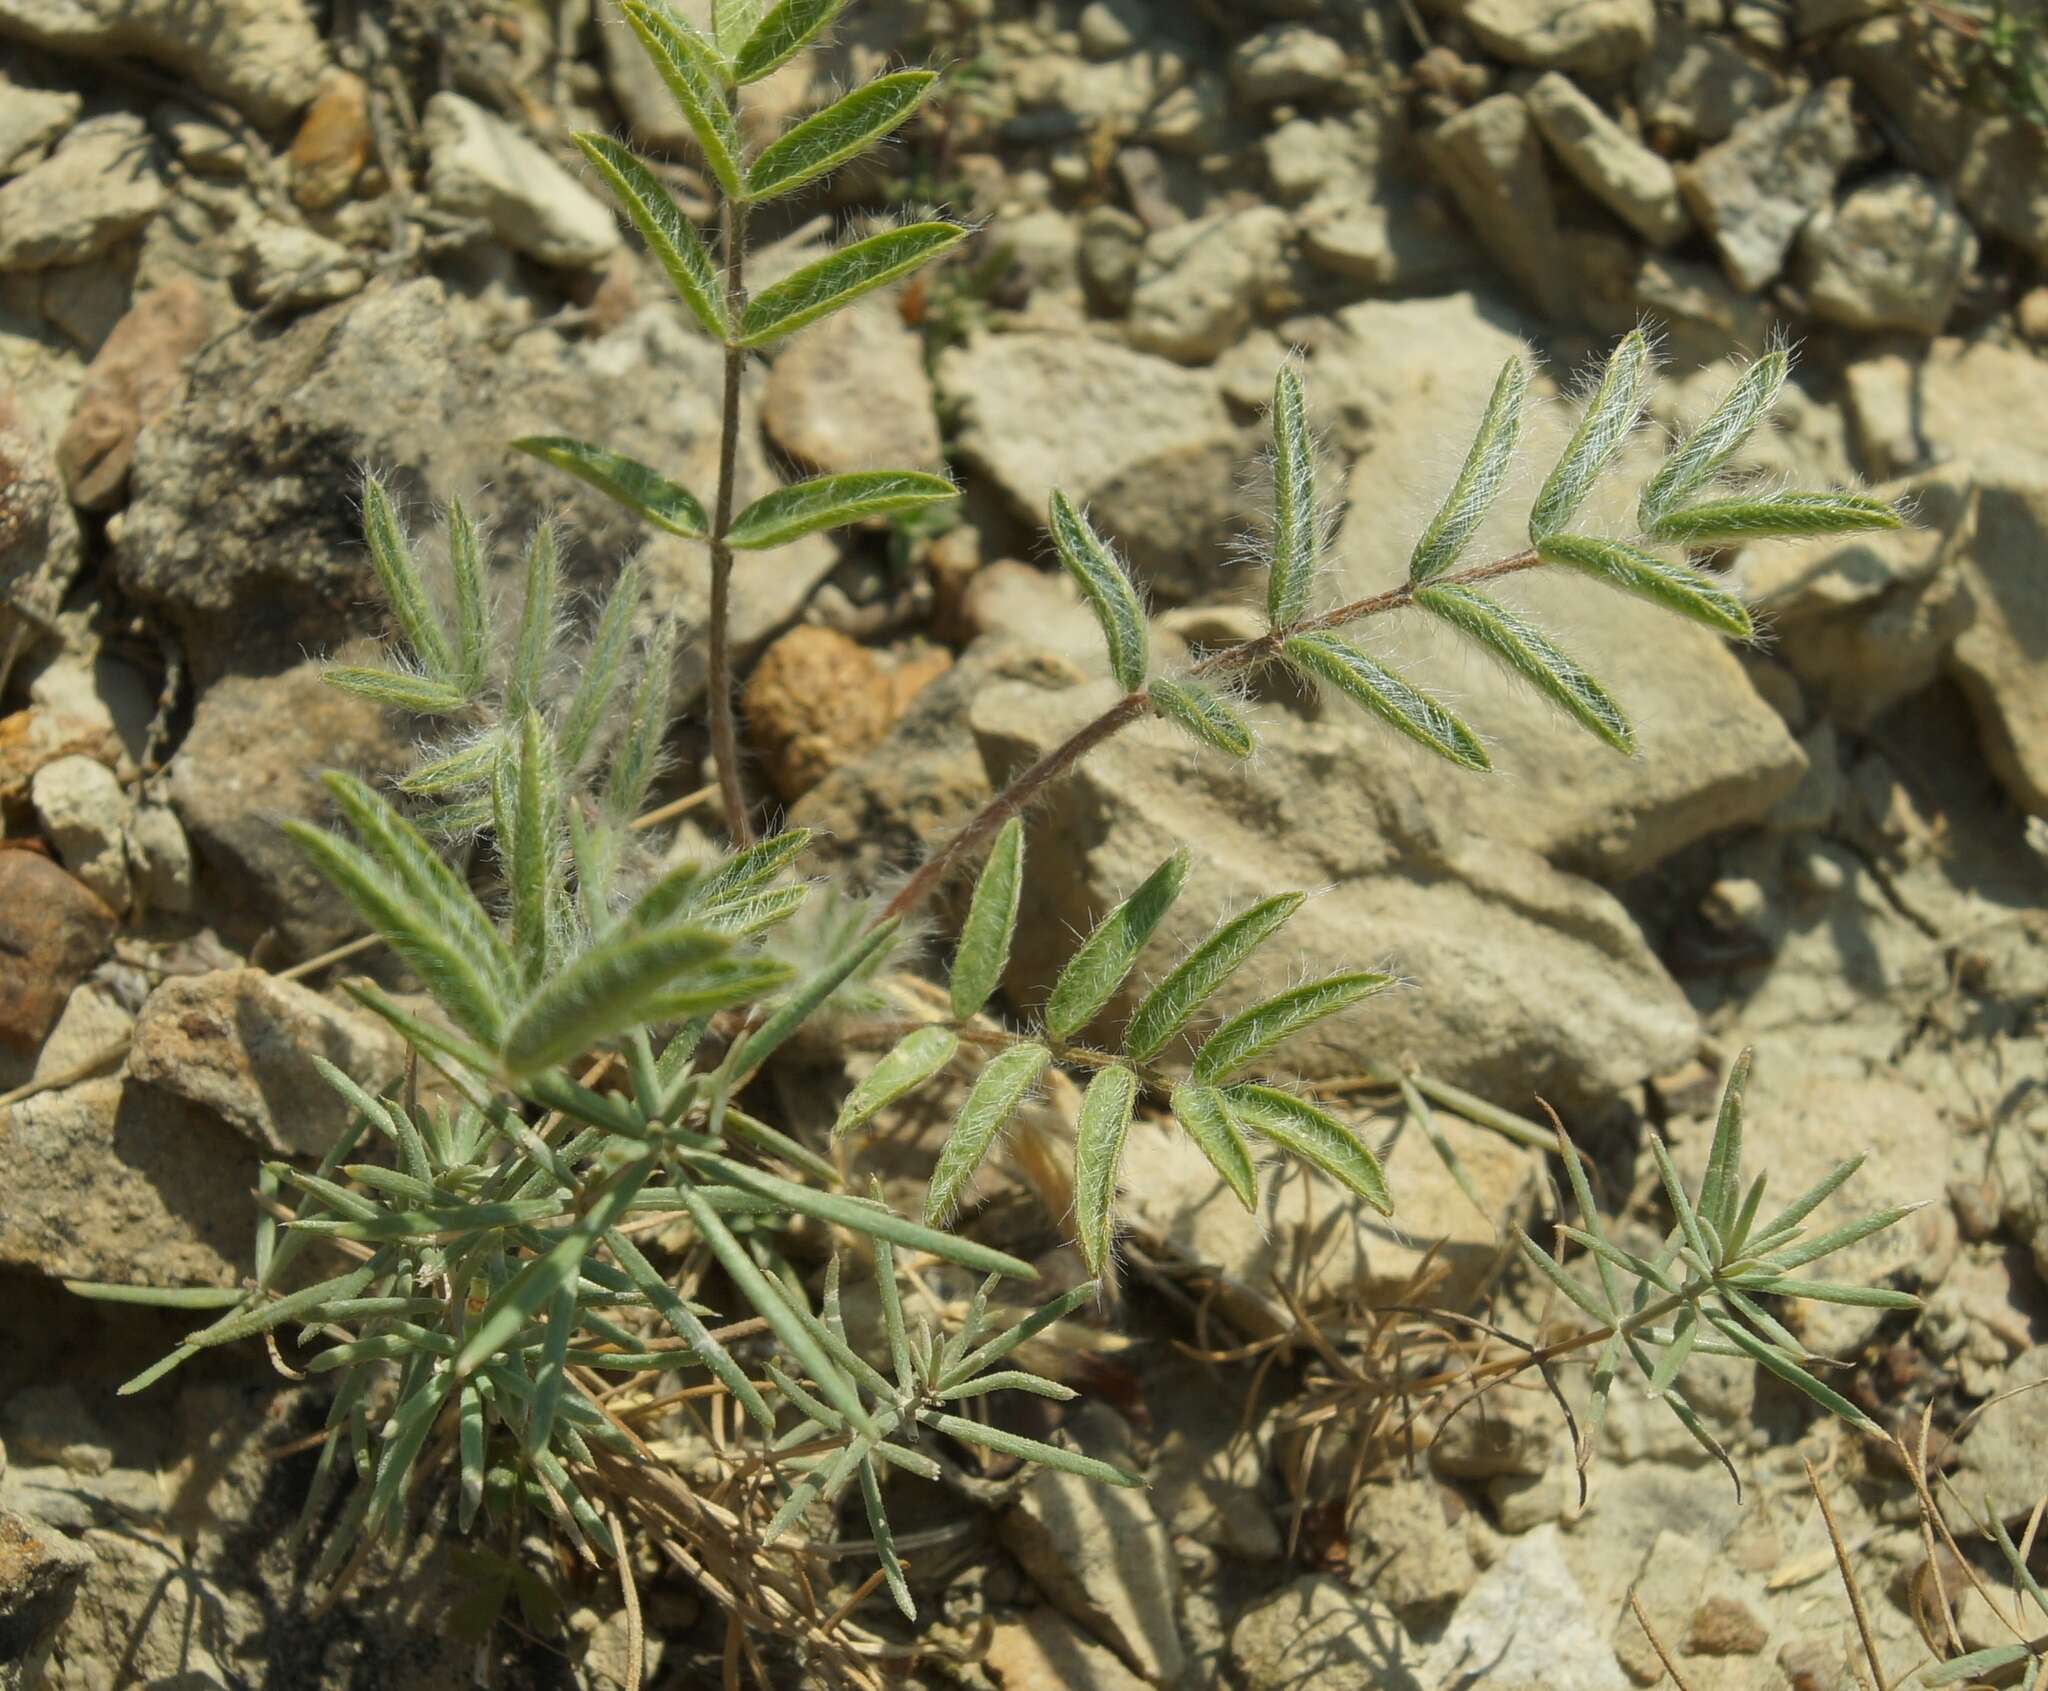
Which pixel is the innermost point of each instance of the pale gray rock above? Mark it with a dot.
(1630, 180)
(40, 1572)
(1491, 159)
(1598, 37)
(241, 1043)
(1700, 317)
(31, 120)
(93, 1029)
(1206, 1470)
(1108, 253)
(1199, 285)
(262, 56)
(1755, 190)
(1147, 446)
(851, 393)
(289, 265)
(1318, 1635)
(2001, 659)
(1527, 1622)
(2001, 1457)
(1411, 1546)
(1111, 28)
(101, 184)
(2003, 181)
(1892, 254)
(480, 166)
(1286, 62)
(1697, 86)
(85, 813)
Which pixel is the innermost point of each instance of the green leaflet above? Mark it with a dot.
(604, 665)
(696, 79)
(785, 29)
(1297, 524)
(1720, 1191)
(991, 925)
(529, 846)
(1107, 955)
(464, 767)
(603, 992)
(1168, 1006)
(399, 575)
(1026, 1449)
(914, 1060)
(1204, 1113)
(265, 1317)
(1098, 1152)
(693, 890)
(822, 502)
(1254, 1031)
(637, 759)
(1677, 587)
(812, 991)
(1315, 1136)
(1527, 651)
(1479, 482)
(1202, 714)
(1108, 589)
(395, 690)
(1611, 416)
(994, 1098)
(843, 130)
(885, 1539)
(1773, 515)
(537, 623)
(631, 483)
(732, 21)
(472, 607)
(669, 235)
(824, 286)
(1701, 454)
(684, 1323)
(1324, 657)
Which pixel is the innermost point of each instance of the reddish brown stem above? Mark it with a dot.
(725, 740)
(1231, 660)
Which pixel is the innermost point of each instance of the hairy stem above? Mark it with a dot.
(1230, 660)
(725, 744)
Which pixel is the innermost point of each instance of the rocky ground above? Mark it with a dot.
(250, 246)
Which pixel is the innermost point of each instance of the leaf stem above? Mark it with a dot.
(1246, 655)
(725, 748)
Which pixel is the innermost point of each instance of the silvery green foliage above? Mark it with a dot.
(1703, 1291)
(1221, 1112)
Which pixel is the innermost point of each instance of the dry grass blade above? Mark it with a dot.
(1656, 1643)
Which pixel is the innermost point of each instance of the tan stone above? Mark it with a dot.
(816, 700)
(51, 931)
(135, 378)
(333, 143)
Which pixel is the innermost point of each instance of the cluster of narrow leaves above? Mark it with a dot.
(705, 73)
(1704, 1292)
(1220, 1110)
(1684, 504)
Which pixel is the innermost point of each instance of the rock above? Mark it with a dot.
(1492, 162)
(1892, 254)
(1199, 284)
(1696, 86)
(1111, 240)
(2001, 658)
(1667, 1585)
(1700, 317)
(480, 166)
(2031, 315)
(814, 701)
(107, 1181)
(1102, 1557)
(134, 380)
(1336, 804)
(53, 1423)
(93, 1029)
(1347, 1251)
(40, 1571)
(2003, 181)
(1867, 620)
(1528, 1622)
(1315, 1635)
(1755, 190)
(1111, 28)
(31, 120)
(253, 757)
(1597, 37)
(1408, 1543)
(1044, 1653)
(1286, 62)
(40, 547)
(287, 264)
(852, 394)
(2001, 1456)
(1725, 1626)
(101, 184)
(1961, 382)
(85, 813)
(52, 929)
(1206, 1468)
(1625, 176)
(333, 142)
(161, 858)
(263, 56)
(241, 1043)
(1153, 455)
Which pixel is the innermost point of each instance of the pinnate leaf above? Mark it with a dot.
(841, 277)
(1257, 1029)
(624, 479)
(1101, 578)
(1528, 651)
(1485, 473)
(913, 1061)
(1402, 707)
(1611, 416)
(1107, 955)
(785, 29)
(1205, 1113)
(1168, 1006)
(1098, 1153)
(1311, 1133)
(843, 130)
(1773, 515)
(991, 925)
(689, 65)
(1203, 714)
(822, 502)
(669, 235)
(1692, 593)
(1297, 524)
